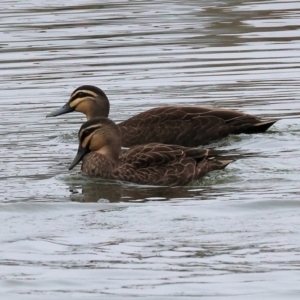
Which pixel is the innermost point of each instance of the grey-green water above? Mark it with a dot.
(234, 235)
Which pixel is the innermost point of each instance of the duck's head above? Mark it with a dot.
(100, 135)
(87, 99)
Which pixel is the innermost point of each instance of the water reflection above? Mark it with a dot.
(104, 191)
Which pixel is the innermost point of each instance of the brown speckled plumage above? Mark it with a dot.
(153, 164)
(180, 125)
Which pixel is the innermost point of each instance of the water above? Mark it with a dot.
(234, 234)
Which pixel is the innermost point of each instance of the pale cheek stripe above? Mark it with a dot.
(76, 102)
(86, 141)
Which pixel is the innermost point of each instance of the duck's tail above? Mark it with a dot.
(260, 127)
(222, 163)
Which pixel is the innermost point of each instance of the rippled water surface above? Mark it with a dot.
(233, 235)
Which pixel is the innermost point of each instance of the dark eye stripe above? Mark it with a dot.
(88, 131)
(80, 95)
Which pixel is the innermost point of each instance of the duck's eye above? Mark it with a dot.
(87, 132)
(80, 95)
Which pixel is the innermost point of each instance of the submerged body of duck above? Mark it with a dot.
(180, 125)
(152, 164)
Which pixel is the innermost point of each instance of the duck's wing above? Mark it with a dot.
(187, 126)
(153, 154)
(161, 164)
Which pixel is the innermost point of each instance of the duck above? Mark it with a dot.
(149, 164)
(188, 126)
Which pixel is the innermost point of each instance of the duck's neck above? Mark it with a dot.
(110, 154)
(100, 108)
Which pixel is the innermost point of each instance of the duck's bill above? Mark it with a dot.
(61, 111)
(79, 156)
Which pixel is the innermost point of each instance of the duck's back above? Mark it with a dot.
(187, 126)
